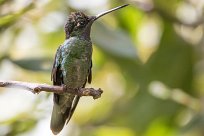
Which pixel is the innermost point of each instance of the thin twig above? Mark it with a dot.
(37, 88)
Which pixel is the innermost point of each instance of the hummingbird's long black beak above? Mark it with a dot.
(108, 11)
(87, 30)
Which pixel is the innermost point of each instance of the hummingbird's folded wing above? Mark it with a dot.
(56, 75)
(90, 74)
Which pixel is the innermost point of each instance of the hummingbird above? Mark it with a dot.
(72, 65)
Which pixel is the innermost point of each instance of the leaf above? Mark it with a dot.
(34, 64)
(10, 18)
(113, 42)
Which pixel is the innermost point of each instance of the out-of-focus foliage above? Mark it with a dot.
(148, 59)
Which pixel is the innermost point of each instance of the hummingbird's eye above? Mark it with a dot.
(82, 23)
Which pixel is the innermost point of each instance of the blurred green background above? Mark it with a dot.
(148, 59)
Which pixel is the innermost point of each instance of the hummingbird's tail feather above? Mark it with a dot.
(59, 118)
(74, 105)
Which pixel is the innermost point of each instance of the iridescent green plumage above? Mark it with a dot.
(72, 66)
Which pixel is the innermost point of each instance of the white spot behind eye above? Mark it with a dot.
(78, 24)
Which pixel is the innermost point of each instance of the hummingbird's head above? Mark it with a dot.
(76, 24)
(79, 24)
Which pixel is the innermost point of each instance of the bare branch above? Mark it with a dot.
(37, 88)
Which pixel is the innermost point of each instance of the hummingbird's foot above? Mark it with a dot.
(64, 87)
(79, 91)
(95, 93)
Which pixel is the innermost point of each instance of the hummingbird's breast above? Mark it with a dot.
(76, 61)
